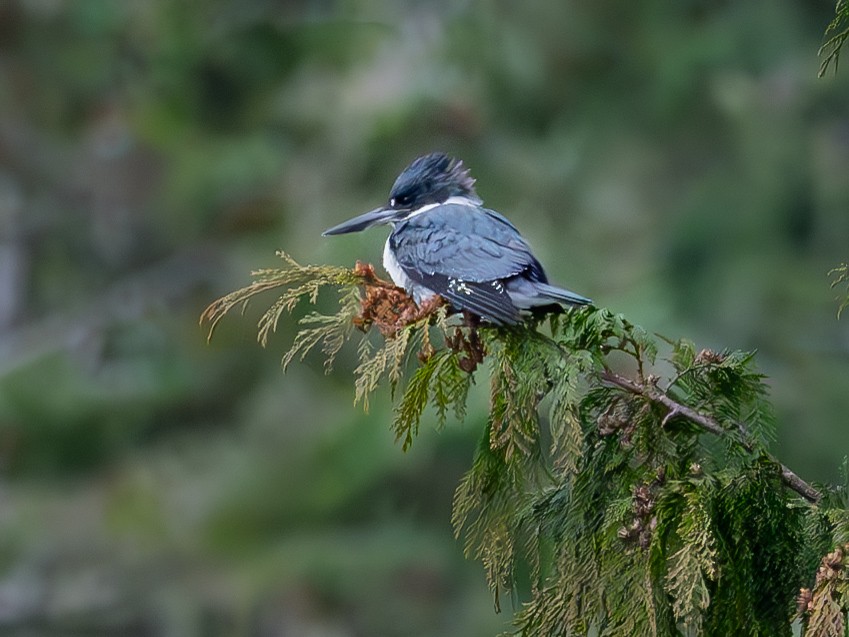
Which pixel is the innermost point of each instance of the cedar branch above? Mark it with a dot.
(655, 395)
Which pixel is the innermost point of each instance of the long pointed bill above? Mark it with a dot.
(366, 220)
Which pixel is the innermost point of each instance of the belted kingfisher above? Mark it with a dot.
(445, 242)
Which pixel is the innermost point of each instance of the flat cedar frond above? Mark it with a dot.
(645, 503)
(485, 511)
(364, 300)
(629, 593)
(495, 550)
(524, 368)
(333, 331)
(293, 280)
(440, 380)
(727, 386)
(486, 479)
(515, 425)
(841, 273)
(567, 435)
(685, 583)
(415, 399)
(546, 614)
(838, 30)
(386, 360)
(695, 563)
(823, 608)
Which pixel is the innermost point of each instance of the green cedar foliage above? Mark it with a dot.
(634, 490)
(840, 276)
(837, 31)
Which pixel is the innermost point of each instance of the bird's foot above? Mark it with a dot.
(470, 320)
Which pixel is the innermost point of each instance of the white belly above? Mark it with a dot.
(391, 265)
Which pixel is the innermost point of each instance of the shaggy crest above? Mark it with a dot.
(432, 178)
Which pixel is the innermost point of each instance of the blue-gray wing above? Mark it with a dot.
(463, 242)
(463, 253)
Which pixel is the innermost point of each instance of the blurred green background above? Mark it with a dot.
(679, 162)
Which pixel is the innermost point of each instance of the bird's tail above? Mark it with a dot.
(560, 295)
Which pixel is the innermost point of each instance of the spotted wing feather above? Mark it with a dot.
(464, 253)
(487, 300)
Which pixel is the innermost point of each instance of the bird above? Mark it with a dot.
(445, 242)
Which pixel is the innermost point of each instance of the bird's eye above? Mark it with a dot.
(400, 200)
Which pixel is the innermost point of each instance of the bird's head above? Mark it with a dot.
(430, 180)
